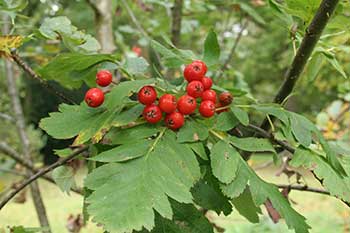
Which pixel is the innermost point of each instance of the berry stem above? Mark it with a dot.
(156, 142)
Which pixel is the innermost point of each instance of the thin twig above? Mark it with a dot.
(26, 68)
(304, 188)
(10, 152)
(7, 117)
(233, 49)
(39, 174)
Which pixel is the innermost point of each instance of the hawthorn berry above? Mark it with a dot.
(167, 103)
(152, 113)
(174, 120)
(195, 89)
(207, 83)
(195, 71)
(225, 98)
(207, 108)
(209, 95)
(186, 104)
(94, 97)
(147, 95)
(104, 78)
(137, 50)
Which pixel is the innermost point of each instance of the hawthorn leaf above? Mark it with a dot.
(67, 67)
(199, 149)
(64, 178)
(245, 206)
(126, 194)
(192, 131)
(237, 186)
(123, 136)
(252, 144)
(224, 161)
(136, 65)
(274, 110)
(338, 186)
(131, 150)
(211, 54)
(241, 115)
(90, 123)
(226, 121)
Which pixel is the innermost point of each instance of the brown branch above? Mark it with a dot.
(26, 68)
(10, 152)
(176, 22)
(304, 188)
(39, 174)
(224, 67)
(312, 35)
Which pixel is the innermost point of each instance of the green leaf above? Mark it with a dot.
(313, 67)
(274, 110)
(302, 129)
(241, 115)
(211, 54)
(252, 144)
(131, 150)
(252, 12)
(65, 68)
(336, 65)
(128, 116)
(126, 194)
(192, 131)
(64, 178)
(245, 206)
(123, 136)
(208, 195)
(224, 161)
(338, 186)
(226, 121)
(61, 28)
(261, 192)
(21, 229)
(90, 123)
(136, 65)
(187, 219)
(305, 10)
(199, 149)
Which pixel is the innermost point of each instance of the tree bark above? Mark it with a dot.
(104, 24)
(176, 22)
(25, 144)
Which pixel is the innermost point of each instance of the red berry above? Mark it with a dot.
(225, 98)
(195, 71)
(94, 97)
(152, 113)
(209, 95)
(137, 50)
(195, 89)
(167, 103)
(207, 83)
(147, 95)
(186, 104)
(104, 78)
(207, 108)
(174, 120)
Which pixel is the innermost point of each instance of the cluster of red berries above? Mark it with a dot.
(94, 97)
(199, 86)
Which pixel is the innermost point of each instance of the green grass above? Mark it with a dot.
(324, 213)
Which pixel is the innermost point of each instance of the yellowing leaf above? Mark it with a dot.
(9, 42)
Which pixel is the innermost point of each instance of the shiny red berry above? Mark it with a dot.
(167, 103)
(152, 113)
(195, 71)
(186, 104)
(174, 120)
(137, 50)
(225, 98)
(147, 95)
(94, 97)
(195, 89)
(209, 95)
(207, 83)
(103, 78)
(207, 108)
